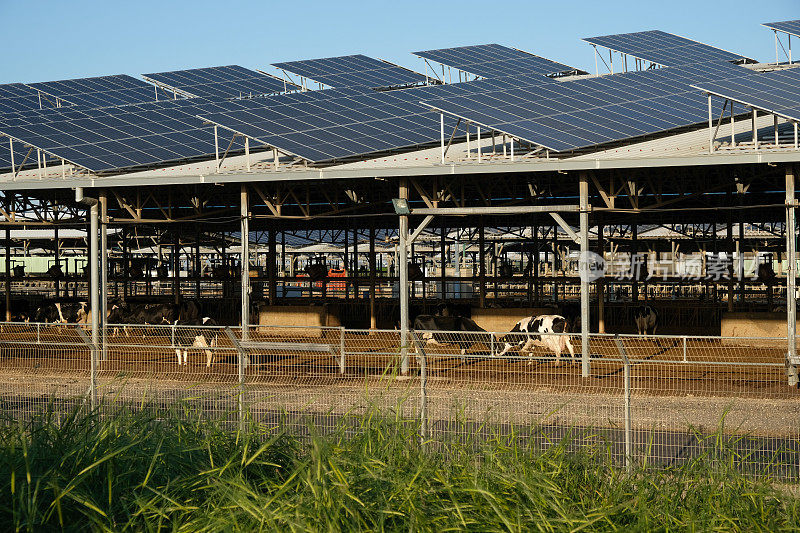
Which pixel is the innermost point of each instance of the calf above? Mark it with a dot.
(437, 331)
(202, 338)
(550, 331)
(646, 319)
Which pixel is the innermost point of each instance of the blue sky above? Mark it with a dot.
(50, 40)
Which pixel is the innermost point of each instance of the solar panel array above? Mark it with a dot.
(592, 111)
(355, 70)
(490, 60)
(787, 26)
(17, 97)
(110, 138)
(231, 81)
(777, 92)
(664, 48)
(352, 125)
(100, 91)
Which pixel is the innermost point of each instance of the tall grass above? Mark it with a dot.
(136, 471)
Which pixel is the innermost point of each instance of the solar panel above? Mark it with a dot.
(106, 139)
(352, 125)
(489, 60)
(100, 91)
(354, 70)
(592, 111)
(17, 97)
(664, 48)
(791, 27)
(231, 81)
(777, 92)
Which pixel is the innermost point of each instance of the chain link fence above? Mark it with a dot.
(649, 399)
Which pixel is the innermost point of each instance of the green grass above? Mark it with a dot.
(135, 471)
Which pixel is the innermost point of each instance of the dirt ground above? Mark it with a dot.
(745, 384)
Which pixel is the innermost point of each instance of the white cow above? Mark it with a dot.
(549, 331)
(204, 339)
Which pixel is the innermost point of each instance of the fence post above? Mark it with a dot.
(627, 400)
(685, 359)
(172, 335)
(92, 365)
(38, 333)
(341, 350)
(423, 393)
(240, 364)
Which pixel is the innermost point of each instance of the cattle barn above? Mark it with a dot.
(361, 196)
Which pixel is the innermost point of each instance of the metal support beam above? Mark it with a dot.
(791, 274)
(244, 262)
(103, 308)
(572, 235)
(498, 210)
(403, 285)
(584, 264)
(94, 289)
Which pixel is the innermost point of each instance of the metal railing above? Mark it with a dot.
(649, 399)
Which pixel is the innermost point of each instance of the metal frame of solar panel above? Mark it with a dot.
(355, 125)
(790, 27)
(491, 60)
(664, 48)
(230, 81)
(776, 92)
(353, 70)
(100, 91)
(590, 112)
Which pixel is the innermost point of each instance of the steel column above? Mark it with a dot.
(791, 274)
(584, 264)
(403, 285)
(244, 262)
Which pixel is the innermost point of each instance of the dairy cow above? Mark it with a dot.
(190, 335)
(461, 331)
(646, 319)
(62, 313)
(550, 331)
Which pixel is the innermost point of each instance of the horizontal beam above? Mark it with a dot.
(499, 210)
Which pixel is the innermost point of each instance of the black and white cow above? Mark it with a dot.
(550, 331)
(62, 313)
(196, 334)
(439, 330)
(646, 319)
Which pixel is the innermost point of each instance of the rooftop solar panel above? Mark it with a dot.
(231, 81)
(355, 124)
(489, 60)
(100, 91)
(354, 70)
(791, 27)
(664, 49)
(17, 97)
(777, 92)
(578, 114)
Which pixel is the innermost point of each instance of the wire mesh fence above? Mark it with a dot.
(648, 399)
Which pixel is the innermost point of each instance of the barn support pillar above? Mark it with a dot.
(403, 285)
(373, 323)
(176, 265)
(584, 274)
(636, 268)
(601, 282)
(103, 309)
(791, 274)
(272, 264)
(482, 262)
(443, 263)
(729, 255)
(8, 267)
(56, 257)
(198, 263)
(244, 262)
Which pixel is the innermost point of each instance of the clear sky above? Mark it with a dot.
(46, 40)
